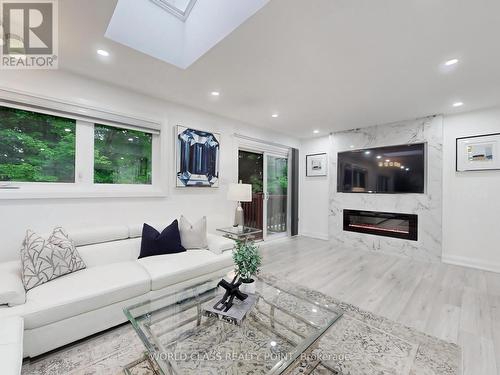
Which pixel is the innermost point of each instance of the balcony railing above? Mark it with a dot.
(254, 211)
(276, 212)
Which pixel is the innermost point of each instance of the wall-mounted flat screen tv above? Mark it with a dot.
(393, 169)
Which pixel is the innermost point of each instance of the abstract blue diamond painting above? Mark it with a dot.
(197, 158)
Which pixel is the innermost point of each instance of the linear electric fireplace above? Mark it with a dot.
(388, 224)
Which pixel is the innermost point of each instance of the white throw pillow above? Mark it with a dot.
(44, 260)
(193, 236)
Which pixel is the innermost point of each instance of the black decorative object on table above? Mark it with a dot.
(232, 291)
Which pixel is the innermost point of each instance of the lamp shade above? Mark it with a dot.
(240, 192)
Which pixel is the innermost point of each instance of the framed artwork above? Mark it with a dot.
(316, 165)
(197, 158)
(478, 153)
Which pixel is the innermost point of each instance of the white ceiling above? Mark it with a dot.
(320, 64)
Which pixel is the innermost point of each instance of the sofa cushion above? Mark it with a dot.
(110, 252)
(155, 243)
(170, 269)
(193, 236)
(11, 345)
(219, 244)
(84, 291)
(94, 235)
(12, 290)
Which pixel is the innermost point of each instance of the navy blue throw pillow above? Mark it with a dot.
(156, 243)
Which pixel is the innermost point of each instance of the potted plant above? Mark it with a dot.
(247, 261)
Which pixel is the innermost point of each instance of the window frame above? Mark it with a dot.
(84, 186)
(182, 15)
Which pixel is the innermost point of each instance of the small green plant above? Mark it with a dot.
(247, 259)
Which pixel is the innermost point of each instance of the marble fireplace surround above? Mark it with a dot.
(427, 206)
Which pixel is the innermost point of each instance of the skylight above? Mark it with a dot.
(182, 30)
(179, 8)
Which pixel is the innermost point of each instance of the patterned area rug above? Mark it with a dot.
(359, 343)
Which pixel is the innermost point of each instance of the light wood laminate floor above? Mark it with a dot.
(457, 304)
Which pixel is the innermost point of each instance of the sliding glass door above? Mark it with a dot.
(268, 175)
(251, 171)
(275, 195)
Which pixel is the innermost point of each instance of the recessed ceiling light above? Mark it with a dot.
(215, 93)
(379, 157)
(274, 115)
(458, 104)
(102, 52)
(368, 152)
(316, 131)
(451, 62)
(407, 169)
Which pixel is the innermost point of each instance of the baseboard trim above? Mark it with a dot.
(318, 236)
(471, 263)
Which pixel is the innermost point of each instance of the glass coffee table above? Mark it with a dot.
(180, 339)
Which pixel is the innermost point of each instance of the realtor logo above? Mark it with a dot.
(29, 34)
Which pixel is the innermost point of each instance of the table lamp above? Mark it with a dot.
(239, 193)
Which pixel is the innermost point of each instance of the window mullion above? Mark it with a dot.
(156, 162)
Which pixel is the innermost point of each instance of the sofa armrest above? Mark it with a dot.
(11, 345)
(219, 244)
(12, 290)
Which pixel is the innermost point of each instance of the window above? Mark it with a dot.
(52, 149)
(122, 156)
(36, 147)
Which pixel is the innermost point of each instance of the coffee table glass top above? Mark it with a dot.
(276, 331)
(239, 232)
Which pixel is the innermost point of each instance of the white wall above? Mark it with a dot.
(471, 205)
(41, 215)
(313, 207)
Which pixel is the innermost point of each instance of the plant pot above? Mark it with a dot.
(247, 286)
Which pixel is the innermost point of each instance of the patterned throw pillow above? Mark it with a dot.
(61, 239)
(44, 260)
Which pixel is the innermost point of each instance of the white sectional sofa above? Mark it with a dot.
(80, 304)
(11, 345)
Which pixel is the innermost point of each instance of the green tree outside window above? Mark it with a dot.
(122, 156)
(36, 147)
